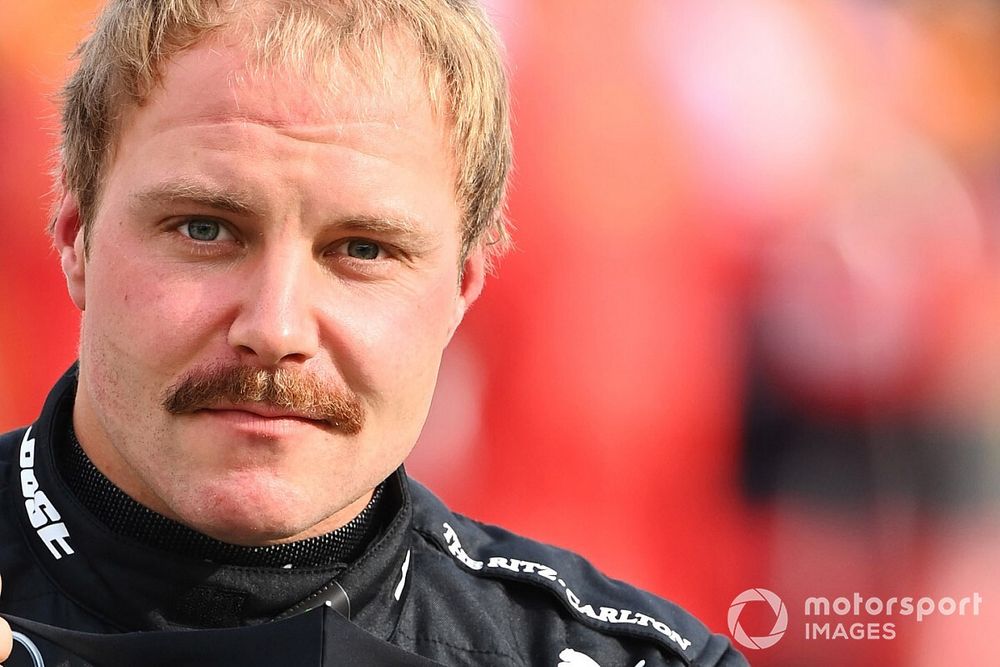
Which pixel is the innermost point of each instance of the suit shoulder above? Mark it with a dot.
(563, 588)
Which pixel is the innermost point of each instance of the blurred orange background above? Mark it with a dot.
(750, 335)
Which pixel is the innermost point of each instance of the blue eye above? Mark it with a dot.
(361, 249)
(202, 229)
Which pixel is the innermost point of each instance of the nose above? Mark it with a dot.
(276, 321)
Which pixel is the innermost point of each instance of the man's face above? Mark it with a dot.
(255, 222)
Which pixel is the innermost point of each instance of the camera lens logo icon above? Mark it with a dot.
(780, 618)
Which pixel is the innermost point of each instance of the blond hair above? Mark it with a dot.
(120, 64)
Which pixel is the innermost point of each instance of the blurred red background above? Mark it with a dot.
(749, 335)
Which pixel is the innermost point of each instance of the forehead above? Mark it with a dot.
(226, 78)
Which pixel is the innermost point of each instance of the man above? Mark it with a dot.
(274, 216)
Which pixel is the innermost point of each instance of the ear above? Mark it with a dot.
(67, 236)
(471, 286)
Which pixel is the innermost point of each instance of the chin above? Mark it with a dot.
(249, 515)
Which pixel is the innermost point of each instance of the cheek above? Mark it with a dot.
(398, 344)
(145, 315)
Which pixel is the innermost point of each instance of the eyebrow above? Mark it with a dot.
(193, 193)
(377, 224)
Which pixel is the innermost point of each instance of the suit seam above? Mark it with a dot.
(465, 649)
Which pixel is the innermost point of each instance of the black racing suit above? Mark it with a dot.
(433, 588)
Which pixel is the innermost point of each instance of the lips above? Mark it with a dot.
(264, 422)
(268, 411)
